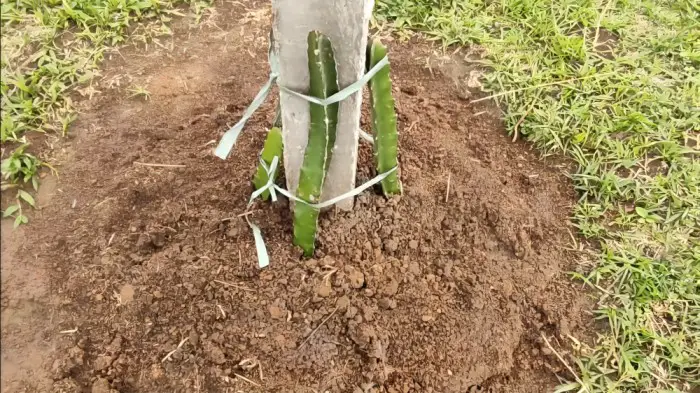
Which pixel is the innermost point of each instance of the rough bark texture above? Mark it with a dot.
(345, 22)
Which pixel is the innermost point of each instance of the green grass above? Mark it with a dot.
(628, 113)
(50, 47)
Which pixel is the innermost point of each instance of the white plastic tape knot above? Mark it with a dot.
(263, 257)
(228, 140)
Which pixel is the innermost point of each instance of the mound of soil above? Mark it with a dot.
(434, 291)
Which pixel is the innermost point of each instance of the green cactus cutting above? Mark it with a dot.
(272, 148)
(383, 120)
(323, 121)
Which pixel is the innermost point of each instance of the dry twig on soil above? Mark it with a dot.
(228, 284)
(247, 380)
(160, 165)
(306, 340)
(561, 359)
(447, 191)
(175, 350)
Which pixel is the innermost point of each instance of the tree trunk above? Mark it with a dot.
(346, 23)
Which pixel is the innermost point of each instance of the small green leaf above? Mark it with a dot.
(10, 210)
(641, 211)
(580, 137)
(27, 198)
(18, 221)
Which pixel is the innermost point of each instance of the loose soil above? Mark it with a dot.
(446, 289)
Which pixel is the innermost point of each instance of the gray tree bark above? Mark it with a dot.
(346, 23)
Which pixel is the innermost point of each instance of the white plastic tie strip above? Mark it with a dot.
(369, 138)
(263, 257)
(228, 140)
(272, 187)
(346, 92)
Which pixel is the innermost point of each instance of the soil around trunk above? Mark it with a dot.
(448, 288)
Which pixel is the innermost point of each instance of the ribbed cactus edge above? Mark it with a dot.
(323, 83)
(383, 120)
